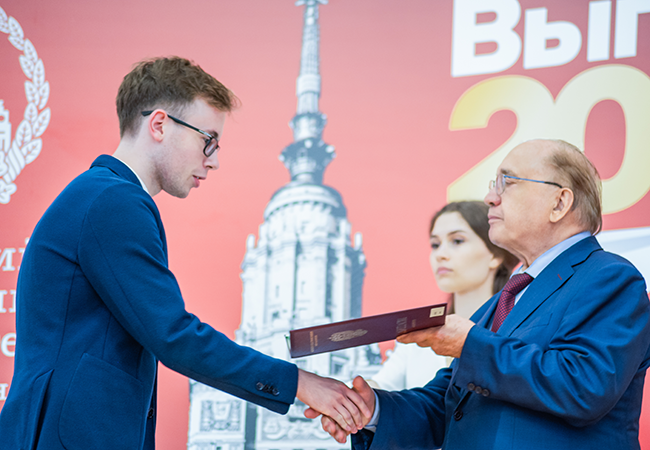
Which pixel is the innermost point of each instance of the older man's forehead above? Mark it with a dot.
(525, 159)
(511, 166)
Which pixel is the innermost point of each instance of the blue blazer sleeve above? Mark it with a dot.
(122, 253)
(412, 418)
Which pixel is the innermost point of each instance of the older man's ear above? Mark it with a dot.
(562, 206)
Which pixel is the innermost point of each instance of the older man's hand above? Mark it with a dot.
(447, 340)
(348, 410)
(360, 387)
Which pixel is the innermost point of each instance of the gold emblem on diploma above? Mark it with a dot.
(347, 335)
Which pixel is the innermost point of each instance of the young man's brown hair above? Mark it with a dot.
(171, 83)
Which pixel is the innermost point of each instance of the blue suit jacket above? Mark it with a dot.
(97, 308)
(564, 371)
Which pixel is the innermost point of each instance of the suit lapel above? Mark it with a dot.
(538, 291)
(492, 305)
(547, 282)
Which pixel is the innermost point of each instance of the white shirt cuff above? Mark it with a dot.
(374, 420)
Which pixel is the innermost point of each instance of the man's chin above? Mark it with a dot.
(178, 193)
(495, 235)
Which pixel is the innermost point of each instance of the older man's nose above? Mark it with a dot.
(492, 199)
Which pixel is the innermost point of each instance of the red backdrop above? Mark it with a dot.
(390, 98)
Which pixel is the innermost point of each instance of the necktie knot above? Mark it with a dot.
(514, 286)
(517, 283)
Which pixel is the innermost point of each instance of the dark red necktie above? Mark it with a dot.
(507, 300)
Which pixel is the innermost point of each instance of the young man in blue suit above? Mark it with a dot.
(98, 306)
(555, 361)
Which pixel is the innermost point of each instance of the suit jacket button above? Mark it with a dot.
(275, 391)
(260, 386)
(150, 413)
(458, 414)
(471, 386)
(485, 393)
(478, 390)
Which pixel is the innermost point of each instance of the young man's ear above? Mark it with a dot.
(156, 124)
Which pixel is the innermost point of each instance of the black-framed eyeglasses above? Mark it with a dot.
(211, 143)
(500, 184)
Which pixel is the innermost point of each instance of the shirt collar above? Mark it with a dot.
(144, 186)
(549, 255)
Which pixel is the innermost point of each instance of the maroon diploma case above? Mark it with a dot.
(363, 331)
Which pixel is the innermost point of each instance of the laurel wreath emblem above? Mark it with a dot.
(27, 144)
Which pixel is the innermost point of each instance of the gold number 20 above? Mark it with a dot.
(541, 116)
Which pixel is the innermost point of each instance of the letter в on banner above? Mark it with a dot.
(467, 33)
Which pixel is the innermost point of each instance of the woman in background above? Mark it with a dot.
(466, 265)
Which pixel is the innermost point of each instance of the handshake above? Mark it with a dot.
(344, 411)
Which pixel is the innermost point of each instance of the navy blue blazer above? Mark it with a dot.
(97, 308)
(565, 370)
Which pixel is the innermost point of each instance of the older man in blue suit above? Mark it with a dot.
(98, 306)
(557, 360)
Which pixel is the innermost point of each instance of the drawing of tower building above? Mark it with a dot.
(303, 271)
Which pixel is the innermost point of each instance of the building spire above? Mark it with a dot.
(307, 157)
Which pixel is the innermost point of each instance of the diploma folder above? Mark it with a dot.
(363, 331)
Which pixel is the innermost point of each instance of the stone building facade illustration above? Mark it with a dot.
(303, 271)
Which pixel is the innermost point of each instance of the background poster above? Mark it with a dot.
(421, 104)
